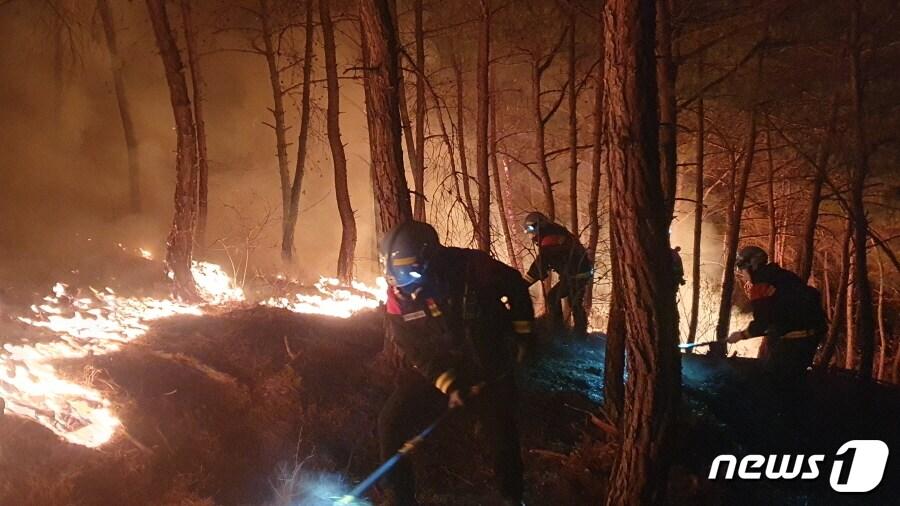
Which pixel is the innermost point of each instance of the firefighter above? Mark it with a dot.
(786, 311)
(458, 318)
(678, 265)
(559, 250)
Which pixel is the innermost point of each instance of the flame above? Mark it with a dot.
(102, 322)
(334, 299)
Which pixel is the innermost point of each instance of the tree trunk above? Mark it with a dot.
(840, 302)
(865, 323)
(882, 343)
(851, 314)
(468, 203)
(698, 220)
(734, 231)
(339, 159)
(483, 99)
(807, 243)
(640, 220)
(513, 259)
(614, 357)
(596, 166)
(770, 188)
(131, 143)
(573, 130)
(540, 142)
(289, 223)
(668, 110)
(419, 167)
(382, 110)
(280, 127)
(201, 170)
(181, 236)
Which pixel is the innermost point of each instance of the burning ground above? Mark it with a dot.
(112, 399)
(157, 402)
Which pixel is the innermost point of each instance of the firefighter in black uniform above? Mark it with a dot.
(560, 250)
(787, 312)
(458, 318)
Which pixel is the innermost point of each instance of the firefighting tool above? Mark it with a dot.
(689, 346)
(389, 464)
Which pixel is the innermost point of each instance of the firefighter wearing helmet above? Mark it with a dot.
(560, 250)
(786, 311)
(456, 316)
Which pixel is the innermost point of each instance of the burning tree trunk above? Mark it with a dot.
(483, 230)
(201, 171)
(865, 324)
(293, 205)
(698, 219)
(131, 144)
(807, 241)
(383, 113)
(419, 167)
(666, 75)
(573, 129)
(181, 236)
(640, 221)
(840, 302)
(733, 235)
(338, 157)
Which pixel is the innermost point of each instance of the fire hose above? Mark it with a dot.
(389, 464)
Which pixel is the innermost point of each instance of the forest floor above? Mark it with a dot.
(261, 406)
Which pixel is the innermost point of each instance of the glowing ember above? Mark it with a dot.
(102, 322)
(334, 299)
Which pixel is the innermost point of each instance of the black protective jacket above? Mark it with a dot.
(457, 327)
(561, 251)
(782, 303)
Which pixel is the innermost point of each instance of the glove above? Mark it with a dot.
(736, 336)
(457, 398)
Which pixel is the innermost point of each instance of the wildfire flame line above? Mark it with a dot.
(103, 322)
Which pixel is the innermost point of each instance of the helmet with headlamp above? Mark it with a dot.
(406, 251)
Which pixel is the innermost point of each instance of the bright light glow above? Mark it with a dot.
(415, 274)
(334, 299)
(101, 322)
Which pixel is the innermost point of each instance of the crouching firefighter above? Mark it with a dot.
(458, 318)
(787, 311)
(560, 250)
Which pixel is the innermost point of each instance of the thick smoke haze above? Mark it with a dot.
(64, 187)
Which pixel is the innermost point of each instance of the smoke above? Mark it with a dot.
(63, 197)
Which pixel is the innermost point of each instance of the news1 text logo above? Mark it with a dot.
(858, 466)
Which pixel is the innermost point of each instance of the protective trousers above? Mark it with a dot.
(415, 403)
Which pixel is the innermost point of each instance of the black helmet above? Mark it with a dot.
(751, 258)
(534, 221)
(406, 250)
